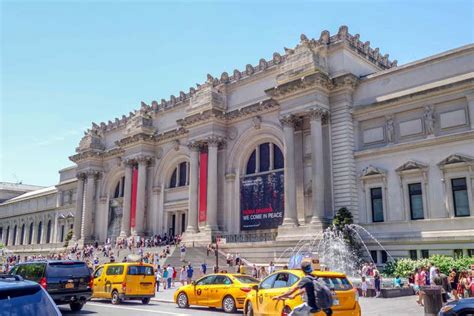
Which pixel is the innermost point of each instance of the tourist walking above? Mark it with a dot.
(182, 275)
(169, 275)
(271, 268)
(158, 277)
(420, 280)
(377, 282)
(454, 281)
(203, 268)
(189, 273)
(364, 286)
(182, 251)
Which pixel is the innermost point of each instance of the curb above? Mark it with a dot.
(161, 300)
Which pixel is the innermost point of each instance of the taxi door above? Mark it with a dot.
(113, 279)
(219, 287)
(98, 285)
(282, 283)
(201, 290)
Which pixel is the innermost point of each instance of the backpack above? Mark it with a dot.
(322, 294)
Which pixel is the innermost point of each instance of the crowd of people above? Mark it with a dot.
(455, 285)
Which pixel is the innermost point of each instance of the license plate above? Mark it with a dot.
(69, 285)
(335, 301)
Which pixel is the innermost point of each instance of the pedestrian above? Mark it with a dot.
(377, 282)
(271, 268)
(364, 286)
(158, 277)
(255, 271)
(182, 251)
(262, 273)
(182, 275)
(190, 273)
(203, 268)
(441, 279)
(454, 281)
(309, 286)
(420, 281)
(175, 274)
(169, 278)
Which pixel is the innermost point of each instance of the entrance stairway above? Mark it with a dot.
(196, 256)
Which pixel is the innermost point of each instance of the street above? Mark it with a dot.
(370, 307)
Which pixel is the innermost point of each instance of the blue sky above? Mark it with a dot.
(65, 64)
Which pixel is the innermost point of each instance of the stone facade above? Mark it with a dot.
(393, 144)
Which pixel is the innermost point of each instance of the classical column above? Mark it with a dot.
(470, 103)
(317, 167)
(193, 188)
(88, 205)
(288, 123)
(79, 206)
(140, 214)
(127, 198)
(212, 144)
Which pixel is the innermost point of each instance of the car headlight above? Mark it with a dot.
(446, 308)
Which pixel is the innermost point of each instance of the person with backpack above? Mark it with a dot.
(317, 295)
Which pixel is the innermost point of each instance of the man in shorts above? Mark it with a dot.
(305, 286)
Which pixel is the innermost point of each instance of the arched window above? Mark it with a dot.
(7, 237)
(48, 232)
(22, 236)
(119, 188)
(30, 235)
(266, 157)
(179, 178)
(40, 232)
(14, 236)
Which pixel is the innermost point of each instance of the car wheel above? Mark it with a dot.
(286, 311)
(249, 309)
(115, 298)
(183, 300)
(145, 300)
(228, 304)
(76, 306)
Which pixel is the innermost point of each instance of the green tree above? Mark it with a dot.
(68, 238)
(342, 219)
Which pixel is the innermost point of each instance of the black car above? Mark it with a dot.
(464, 307)
(26, 298)
(68, 282)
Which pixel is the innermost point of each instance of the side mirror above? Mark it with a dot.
(255, 288)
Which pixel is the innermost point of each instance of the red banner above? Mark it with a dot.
(133, 202)
(202, 187)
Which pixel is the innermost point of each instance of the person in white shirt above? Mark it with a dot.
(271, 268)
(170, 275)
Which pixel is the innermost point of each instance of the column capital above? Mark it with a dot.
(93, 174)
(81, 176)
(215, 141)
(288, 120)
(195, 145)
(318, 113)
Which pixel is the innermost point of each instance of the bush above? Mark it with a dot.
(405, 266)
(68, 238)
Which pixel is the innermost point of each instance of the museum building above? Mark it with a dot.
(271, 152)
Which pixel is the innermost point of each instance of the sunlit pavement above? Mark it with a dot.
(401, 306)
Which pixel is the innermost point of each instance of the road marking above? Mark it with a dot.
(137, 309)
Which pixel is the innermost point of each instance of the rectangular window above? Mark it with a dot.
(457, 253)
(413, 255)
(460, 199)
(425, 254)
(373, 254)
(264, 157)
(470, 253)
(416, 201)
(377, 204)
(384, 256)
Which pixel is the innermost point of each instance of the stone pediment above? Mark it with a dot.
(411, 165)
(455, 159)
(141, 122)
(303, 60)
(207, 97)
(373, 171)
(92, 140)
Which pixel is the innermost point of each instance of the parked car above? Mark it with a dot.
(124, 281)
(260, 301)
(67, 281)
(223, 290)
(463, 307)
(26, 298)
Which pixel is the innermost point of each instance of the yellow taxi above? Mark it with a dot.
(260, 300)
(124, 281)
(221, 290)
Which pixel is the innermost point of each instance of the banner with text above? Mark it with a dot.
(262, 201)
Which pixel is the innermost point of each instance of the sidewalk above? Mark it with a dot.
(165, 296)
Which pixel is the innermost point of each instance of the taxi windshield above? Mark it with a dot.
(140, 270)
(246, 279)
(337, 283)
